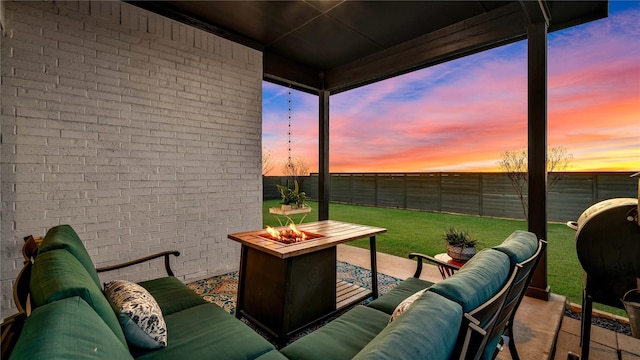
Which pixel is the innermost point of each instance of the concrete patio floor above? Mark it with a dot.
(541, 329)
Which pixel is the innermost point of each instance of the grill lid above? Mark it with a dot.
(603, 206)
(608, 248)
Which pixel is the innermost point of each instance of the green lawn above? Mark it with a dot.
(419, 231)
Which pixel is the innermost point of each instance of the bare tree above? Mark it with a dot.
(267, 161)
(296, 169)
(515, 166)
(557, 162)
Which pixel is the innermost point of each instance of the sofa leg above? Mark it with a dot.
(507, 339)
(512, 348)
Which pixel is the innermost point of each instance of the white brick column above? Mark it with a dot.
(142, 133)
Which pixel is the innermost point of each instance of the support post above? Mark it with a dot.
(537, 151)
(324, 177)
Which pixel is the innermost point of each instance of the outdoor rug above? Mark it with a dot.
(222, 289)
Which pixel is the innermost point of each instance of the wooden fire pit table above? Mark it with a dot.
(284, 288)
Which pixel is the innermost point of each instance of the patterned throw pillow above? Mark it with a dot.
(138, 313)
(405, 304)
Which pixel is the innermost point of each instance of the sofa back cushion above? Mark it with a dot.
(172, 295)
(64, 237)
(57, 275)
(519, 246)
(67, 329)
(477, 281)
(427, 330)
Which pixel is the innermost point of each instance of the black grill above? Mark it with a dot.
(608, 247)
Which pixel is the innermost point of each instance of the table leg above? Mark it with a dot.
(374, 267)
(241, 272)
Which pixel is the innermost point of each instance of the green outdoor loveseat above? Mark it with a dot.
(72, 318)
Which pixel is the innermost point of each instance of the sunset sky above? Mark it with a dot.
(461, 115)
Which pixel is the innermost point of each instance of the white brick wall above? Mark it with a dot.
(142, 133)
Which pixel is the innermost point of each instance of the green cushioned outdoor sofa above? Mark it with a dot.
(72, 319)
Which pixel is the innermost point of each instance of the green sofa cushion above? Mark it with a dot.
(172, 295)
(342, 338)
(57, 274)
(207, 332)
(427, 330)
(477, 281)
(64, 237)
(389, 301)
(67, 329)
(519, 246)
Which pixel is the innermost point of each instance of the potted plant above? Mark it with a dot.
(460, 245)
(291, 197)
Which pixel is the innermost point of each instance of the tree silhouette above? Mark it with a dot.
(515, 166)
(267, 161)
(296, 169)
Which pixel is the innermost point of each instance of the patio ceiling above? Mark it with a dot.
(340, 45)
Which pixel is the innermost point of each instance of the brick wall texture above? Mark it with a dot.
(142, 133)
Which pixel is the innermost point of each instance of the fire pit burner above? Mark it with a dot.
(290, 235)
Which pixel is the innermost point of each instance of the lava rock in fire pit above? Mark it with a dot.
(289, 236)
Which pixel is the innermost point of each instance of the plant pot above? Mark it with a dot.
(285, 207)
(461, 254)
(631, 301)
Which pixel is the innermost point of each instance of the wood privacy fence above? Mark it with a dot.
(484, 194)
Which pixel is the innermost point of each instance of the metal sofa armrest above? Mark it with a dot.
(164, 254)
(30, 247)
(445, 268)
(11, 329)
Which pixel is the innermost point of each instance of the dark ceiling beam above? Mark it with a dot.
(567, 14)
(283, 71)
(499, 27)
